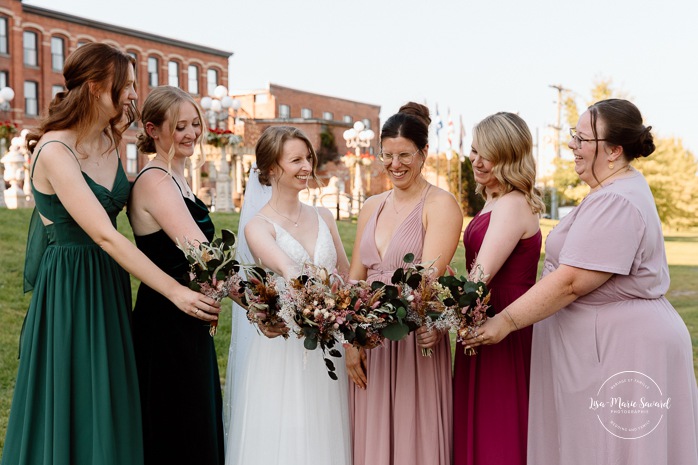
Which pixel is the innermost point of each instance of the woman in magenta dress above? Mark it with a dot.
(400, 400)
(612, 378)
(490, 389)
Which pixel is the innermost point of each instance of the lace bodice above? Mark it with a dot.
(325, 254)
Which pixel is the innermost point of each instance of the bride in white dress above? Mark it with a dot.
(281, 407)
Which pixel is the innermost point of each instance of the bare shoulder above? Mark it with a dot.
(372, 203)
(259, 226)
(438, 197)
(326, 214)
(513, 202)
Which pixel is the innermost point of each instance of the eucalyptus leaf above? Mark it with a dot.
(409, 258)
(395, 331)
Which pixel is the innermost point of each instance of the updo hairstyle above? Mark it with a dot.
(270, 148)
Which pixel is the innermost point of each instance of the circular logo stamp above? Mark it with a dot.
(630, 405)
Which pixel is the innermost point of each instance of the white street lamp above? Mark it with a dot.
(357, 138)
(7, 94)
(217, 109)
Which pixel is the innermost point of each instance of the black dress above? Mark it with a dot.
(177, 365)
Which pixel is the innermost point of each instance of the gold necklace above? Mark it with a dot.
(295, 223)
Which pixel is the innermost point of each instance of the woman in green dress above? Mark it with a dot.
(76, 398)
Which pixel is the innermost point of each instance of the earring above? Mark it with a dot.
(610, 165)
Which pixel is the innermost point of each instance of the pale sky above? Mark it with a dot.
(475, 57)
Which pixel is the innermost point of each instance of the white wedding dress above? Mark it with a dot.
(284, 409)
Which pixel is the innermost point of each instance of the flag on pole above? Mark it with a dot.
(449, 130)
(462, 137)
(438, 125)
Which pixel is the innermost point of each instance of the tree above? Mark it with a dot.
(328, 147)
(672, 173)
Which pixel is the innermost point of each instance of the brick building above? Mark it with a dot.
(315, 114)
(323, 119)
(34, 43)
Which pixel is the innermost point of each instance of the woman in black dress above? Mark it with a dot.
(177, 366)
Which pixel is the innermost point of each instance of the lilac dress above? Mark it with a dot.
(612, 378)
(404, 415)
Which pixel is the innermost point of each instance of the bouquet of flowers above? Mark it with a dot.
(213, 270)
(430, 302)
(471, 300)
(261, 297)
(316, 305)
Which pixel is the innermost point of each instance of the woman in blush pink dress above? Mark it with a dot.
(612, 378)
(490, 389)
(400, 400)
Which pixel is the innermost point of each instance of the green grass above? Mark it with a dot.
(682, 254)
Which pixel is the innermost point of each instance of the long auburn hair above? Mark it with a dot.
(102, 65)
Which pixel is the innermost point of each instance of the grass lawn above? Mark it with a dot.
(681, 247)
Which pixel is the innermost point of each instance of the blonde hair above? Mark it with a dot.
(504, 140)
(163, 105)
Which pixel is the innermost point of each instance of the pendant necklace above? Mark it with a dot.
(295, 223)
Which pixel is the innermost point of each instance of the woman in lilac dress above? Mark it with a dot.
(490, 389)
(400, 400)
(612, 378)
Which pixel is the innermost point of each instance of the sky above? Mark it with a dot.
(472, 57)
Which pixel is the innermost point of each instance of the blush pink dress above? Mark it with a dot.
(612, 378)
(404, 415)
(490, 389)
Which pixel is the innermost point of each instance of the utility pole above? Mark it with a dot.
(557, 128)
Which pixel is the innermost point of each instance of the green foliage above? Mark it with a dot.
(328, 147)
(672, 173)
(571, 189)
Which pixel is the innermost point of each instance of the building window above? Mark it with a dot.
(3, 36)
(327, 115)
(31, 101)
(4, 79)
(284, 111)
(193, 79)
(211, 80)
(367, 123)
(31, 56)
(57, 53)
(55, 89)
(348, 119)
(135, 64)
(82, 42)
(306, 113)
(173, 73)
(131, 159)
(261, 98)
(153, 75)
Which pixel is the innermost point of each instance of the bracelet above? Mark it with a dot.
(512, 320)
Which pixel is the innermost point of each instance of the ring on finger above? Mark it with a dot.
(196, 312)
(482, 337)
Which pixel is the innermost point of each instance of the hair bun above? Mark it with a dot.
(418, 110)
(647, 146)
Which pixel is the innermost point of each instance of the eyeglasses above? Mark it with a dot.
(579, 139)
(405, 158)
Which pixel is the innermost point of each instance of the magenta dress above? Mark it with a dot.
(490, 389)
(404, 415)
(612, 379)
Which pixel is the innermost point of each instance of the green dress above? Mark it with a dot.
(76, 398)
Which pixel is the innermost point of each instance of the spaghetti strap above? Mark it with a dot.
(31, 175)
(161, 169)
